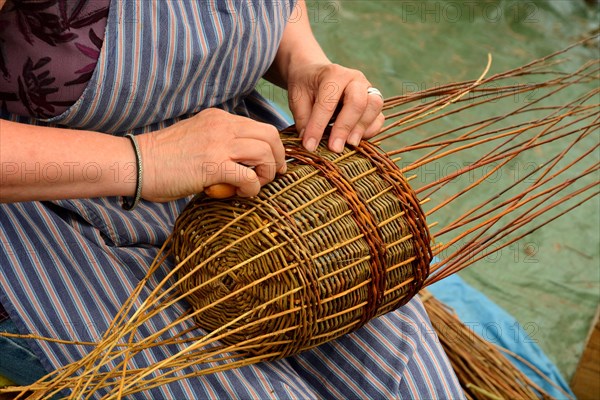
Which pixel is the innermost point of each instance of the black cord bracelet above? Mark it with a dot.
(138, 183)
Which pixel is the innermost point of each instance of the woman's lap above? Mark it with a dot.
(397, 355)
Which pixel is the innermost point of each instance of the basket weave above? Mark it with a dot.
(336, 241)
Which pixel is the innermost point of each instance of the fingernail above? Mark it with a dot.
(301, 133)
(338, 145)
(311, 144)
(354, 139)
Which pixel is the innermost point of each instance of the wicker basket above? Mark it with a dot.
(336, 241)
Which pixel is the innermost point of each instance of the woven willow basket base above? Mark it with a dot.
(336, 241)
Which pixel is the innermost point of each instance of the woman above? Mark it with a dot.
(78, 77)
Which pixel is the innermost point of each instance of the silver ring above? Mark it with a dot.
(374, 91)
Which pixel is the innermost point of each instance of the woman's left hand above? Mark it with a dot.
(315, 91)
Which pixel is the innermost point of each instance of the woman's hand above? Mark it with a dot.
(209, 148)
(315, 91)
(316, 87)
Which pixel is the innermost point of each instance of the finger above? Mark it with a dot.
(330, 93)
(268, 134)
(243, 178)
(265, 173)
(252, 152)
(300, 103)
(355, 104)
(371, 113)
(375, 127)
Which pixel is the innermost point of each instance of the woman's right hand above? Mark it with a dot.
(210, 148)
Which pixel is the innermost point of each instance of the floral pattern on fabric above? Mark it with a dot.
(48, 53)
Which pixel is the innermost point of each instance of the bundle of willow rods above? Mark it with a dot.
(342, 238)
(483, 370)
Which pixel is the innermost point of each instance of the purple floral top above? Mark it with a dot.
(48, 52)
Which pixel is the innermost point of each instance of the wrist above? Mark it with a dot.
(298, 48)
(146, 147)
(120, 176)
(286, 68)
(130, 204)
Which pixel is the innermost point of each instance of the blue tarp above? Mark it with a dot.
(495, 325)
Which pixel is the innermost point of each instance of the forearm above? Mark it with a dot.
(298, 47)
(40, 163)
(317, 88)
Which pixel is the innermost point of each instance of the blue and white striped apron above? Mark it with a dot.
(67, 266)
